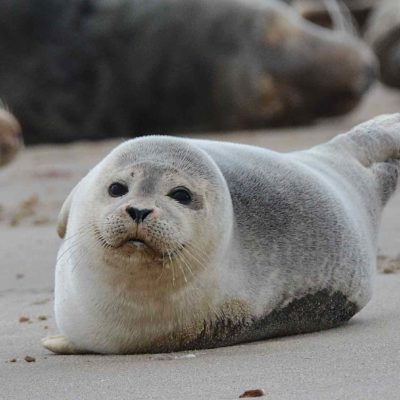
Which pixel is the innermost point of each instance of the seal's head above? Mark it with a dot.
(309, 71)
(10, 136)
(153, 204)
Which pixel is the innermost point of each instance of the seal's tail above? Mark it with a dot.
(376, 145)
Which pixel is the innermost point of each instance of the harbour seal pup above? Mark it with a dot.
(97, 68)
(173, 244)
(10, 136)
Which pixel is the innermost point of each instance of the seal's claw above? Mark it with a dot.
(59, 344)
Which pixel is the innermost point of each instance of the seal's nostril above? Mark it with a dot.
(132, 212)
(138, 215)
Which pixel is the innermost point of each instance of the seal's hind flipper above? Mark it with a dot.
(374, 141)
(376, 145)
(387, 173)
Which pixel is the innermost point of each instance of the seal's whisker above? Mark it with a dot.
(172, 268)
(162, 268)
(183, 272)
(75, 243)
(182, 258)
(190, 250)
(198, 250)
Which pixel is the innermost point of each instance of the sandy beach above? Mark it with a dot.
(360, 360)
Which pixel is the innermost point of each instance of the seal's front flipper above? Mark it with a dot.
(60, 345)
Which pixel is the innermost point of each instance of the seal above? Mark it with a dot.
(383, 35)
(90, 74)
(10, 136)
(174, 244)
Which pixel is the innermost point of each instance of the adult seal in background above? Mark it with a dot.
(101, 68)
(10, 136)
(174, 244)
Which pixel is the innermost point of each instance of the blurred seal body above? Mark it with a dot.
(10, 136)
(111, 68)
(383, 34)
(174, 244)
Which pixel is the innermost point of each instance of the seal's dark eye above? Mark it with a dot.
(117, 189)
(181, 195)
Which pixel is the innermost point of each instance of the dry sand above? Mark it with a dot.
(360, 360)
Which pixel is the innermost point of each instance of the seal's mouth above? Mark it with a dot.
(136, 243)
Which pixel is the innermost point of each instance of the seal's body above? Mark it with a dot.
(10, 136)
(383, 35)
(96, 69)
(175, 244)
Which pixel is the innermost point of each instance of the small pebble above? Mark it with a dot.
(13, 360)
(30, 359)
(252, 393)
(42, 317)
(24, 319)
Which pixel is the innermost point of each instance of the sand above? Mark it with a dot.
(360, 360)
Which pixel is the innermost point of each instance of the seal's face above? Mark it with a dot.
(151, 209)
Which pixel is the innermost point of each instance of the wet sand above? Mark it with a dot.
(360, 360)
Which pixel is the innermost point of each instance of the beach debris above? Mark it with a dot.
(29, 359)
(40, 302)
(24, 319)
(19, 275)
(43, 317)
(41, 221)
(13, 360)
(26, 208)
(252, 393)
(388, 265)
